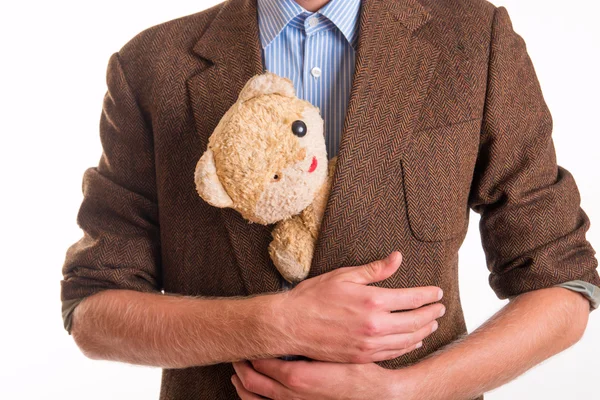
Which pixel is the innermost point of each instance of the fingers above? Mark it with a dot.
(272, 367)
(241, 390)
(402, 298)
(284, 372)
(254, 382)
(372, 272)
(405, 340)
(391, 345)
(411, 321)
(393, 334)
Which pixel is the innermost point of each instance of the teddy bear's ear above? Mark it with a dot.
(267, 83)
(208, 185)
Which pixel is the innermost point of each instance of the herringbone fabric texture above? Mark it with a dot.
(445, 114)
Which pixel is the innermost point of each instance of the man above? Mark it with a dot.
(433, 108)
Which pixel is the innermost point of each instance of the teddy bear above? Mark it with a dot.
(267, 160)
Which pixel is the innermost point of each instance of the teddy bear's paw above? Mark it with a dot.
(292, 249)
(289, 264)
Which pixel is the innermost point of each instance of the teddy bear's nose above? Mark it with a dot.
(301, 154)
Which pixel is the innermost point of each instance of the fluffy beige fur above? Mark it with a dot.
(256, 165)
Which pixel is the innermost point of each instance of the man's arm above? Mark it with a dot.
(175, 331)
(180, 331)
(531, 328)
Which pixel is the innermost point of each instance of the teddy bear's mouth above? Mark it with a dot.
(313, 165)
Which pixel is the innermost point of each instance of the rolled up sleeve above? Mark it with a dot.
(532, 227)
(586, 289)
(120, 246)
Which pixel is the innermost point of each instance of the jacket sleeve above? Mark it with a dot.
(532, 227)
(120, 246)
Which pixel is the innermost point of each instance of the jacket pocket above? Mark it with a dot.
(437, 170)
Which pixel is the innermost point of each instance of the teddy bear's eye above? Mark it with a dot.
(276, 177)
(299, 128)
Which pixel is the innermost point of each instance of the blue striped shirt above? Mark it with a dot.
(316, 51)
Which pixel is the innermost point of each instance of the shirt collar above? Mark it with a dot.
(344, 14)
(274, 15)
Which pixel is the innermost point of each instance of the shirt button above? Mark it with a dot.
(313, 22)
(316, 72)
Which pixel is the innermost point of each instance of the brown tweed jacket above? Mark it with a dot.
(445, 115)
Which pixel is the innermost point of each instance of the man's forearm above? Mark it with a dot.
(531, 328)
(329, 317)
(175, 331)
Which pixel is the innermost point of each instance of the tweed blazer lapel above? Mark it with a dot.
(393, 71)
(231, 47)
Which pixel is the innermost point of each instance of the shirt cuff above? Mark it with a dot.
(68, 306)
(588, 290)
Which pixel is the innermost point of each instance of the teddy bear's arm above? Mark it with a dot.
(292, 248)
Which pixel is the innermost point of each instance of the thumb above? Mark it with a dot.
(377, 270)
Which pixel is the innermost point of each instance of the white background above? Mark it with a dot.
(52, 81)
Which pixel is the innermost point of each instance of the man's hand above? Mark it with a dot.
(337, 317)
(276, 379)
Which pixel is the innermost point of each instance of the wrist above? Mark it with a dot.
(270, 322)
